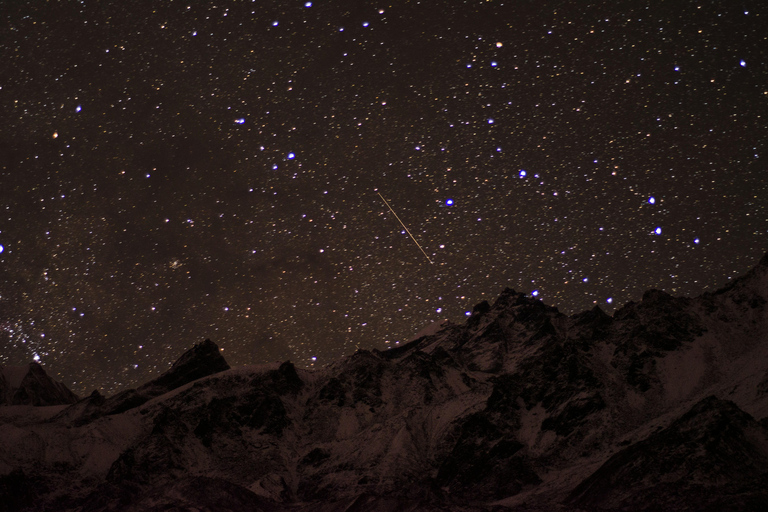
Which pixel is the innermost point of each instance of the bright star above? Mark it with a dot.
(652, 200)
(449, 202)
(1, 249)
(657, 231)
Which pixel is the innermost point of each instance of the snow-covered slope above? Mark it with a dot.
(520, 408)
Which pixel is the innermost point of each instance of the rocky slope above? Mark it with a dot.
(713, 458)
(661, 406)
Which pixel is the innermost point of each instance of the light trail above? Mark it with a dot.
(404, 227)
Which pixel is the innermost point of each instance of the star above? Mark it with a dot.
(202, 157)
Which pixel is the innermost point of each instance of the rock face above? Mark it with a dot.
(31, 385)
(715, 457)
(200, 361)
(662, 406)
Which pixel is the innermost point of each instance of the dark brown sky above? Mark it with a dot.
(172, 171)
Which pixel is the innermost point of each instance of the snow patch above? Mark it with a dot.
(348, 424)
(431, 329)
(681, 371)
(530, 424)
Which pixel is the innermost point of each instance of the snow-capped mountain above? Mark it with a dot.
(661, 406)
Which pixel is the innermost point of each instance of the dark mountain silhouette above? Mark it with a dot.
(31, 385)
(661, 406)
(200, 361)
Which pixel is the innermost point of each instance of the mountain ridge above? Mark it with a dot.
(520, 408)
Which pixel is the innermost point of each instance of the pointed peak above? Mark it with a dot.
(96, 398)
(510, 297)
(285, 379)
(201, 360)
(36, 368)
(201, 350)
(507, 298)
(596, 315)
(31, 385)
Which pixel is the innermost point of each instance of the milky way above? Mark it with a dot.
(173, 171)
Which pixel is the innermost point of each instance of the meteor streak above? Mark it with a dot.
(404, 227)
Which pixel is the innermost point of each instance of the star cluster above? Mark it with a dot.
(179, 170)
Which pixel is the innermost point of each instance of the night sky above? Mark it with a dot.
(171, 171)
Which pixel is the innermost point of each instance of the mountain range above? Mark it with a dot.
(661, 406)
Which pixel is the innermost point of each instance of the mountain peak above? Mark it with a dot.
(201, 360)
(510, 297)
(31, 385)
